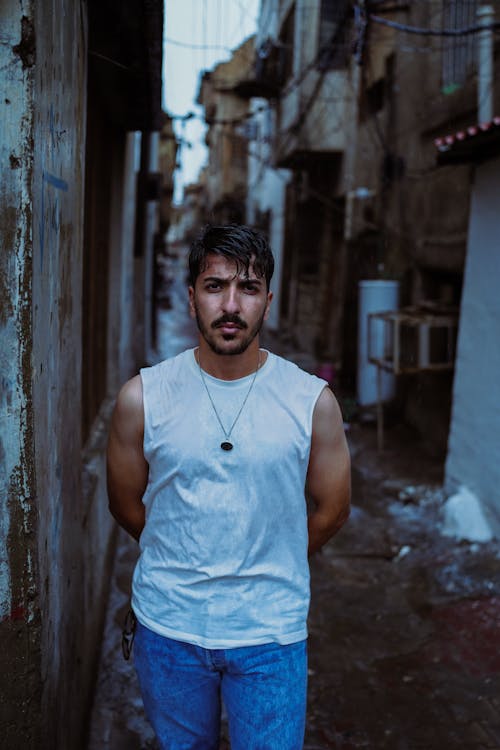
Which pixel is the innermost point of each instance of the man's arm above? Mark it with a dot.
(127, 469)
(329, 472)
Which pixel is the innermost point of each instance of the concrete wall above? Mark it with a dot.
(315, 115)
(474, 442)
(19, 613)
(56, 533)
(68, 587)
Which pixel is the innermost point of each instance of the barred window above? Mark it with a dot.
(333, 38)
(459, 53)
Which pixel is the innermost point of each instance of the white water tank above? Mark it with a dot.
(374, 296)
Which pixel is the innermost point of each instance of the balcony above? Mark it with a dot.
(265, 77)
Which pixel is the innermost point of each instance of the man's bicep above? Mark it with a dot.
(127, 466)
(328, 479)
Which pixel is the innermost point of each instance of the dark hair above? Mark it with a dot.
(235, 242)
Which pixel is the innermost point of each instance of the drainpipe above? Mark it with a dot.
(485, 17)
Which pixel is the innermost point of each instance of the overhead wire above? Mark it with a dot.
(191, 45)
(218, 35)
(433, 32)
(295, 82)
(243, 12)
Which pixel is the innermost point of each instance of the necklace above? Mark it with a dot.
(226, 444)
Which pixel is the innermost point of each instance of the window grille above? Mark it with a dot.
(459, 53)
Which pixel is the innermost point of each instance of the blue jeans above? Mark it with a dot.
(263, 689)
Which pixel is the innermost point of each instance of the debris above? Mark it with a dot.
(403, 552)
(463, 518)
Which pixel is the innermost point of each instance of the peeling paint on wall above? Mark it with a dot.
(54, 521)
(19, 619)
(26, 49)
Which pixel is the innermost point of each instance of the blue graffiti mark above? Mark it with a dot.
(56, 182)
(55, 528)
(60, 184)
(41, 229)
(50, 202)
(52, 127)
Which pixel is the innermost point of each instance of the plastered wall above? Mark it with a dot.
(55, 530)
(19, 616)
(474, 442)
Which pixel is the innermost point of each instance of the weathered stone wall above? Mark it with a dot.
(19, 614)
(54, 528)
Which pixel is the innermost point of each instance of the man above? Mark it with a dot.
(209, 453)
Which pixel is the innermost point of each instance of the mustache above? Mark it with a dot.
(235, 319)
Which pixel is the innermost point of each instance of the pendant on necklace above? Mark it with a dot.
(226, 446)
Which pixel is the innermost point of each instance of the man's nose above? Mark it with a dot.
(231, 302)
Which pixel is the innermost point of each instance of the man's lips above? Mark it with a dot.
(229, 326)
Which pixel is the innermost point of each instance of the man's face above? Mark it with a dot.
(229, 308)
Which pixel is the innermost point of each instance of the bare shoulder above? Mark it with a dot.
(128, 414)
(327, 417)
(130, 396)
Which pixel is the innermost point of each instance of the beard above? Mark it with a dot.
(240, 343)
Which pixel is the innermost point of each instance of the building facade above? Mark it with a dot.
(225, 113)
(354, 99)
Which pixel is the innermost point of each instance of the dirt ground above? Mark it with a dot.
(405, 622)
(404, 626)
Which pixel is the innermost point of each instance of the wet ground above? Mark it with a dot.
(404, 645)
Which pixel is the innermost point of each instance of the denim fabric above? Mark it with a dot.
(263, 689)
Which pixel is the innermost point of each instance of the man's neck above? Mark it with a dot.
(230, 366)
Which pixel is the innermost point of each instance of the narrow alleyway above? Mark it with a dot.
(404, 623)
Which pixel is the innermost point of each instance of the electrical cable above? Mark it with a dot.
(433, 32)
(299, 79)
(190, 45)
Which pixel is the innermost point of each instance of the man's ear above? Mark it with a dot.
(268, 305)
(192, 311)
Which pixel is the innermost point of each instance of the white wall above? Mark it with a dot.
(474, 443)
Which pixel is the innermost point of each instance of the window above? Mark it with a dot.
(333, 38)
(287, 39)
(459, 53)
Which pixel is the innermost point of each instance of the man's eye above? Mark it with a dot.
(212, 286)
(251, 288)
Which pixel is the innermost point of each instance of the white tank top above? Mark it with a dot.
(223, 555)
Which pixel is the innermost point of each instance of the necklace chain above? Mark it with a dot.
(227, 435)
